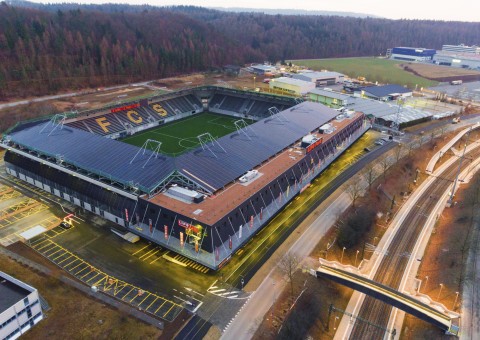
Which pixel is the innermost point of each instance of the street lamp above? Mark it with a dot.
(375, 238)
(341, 259)
(455, 303)
(426, 281)
(326, 251)
(440, 291)
(356, 257)
(335, 323)
(416, 176)
(254, 78)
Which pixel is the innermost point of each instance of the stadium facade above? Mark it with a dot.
(205, 203)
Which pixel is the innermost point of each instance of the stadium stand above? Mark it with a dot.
(116, 122)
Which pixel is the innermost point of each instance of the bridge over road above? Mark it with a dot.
(448, 323)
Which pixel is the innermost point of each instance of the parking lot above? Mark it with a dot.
(149, 302)
(19, 213)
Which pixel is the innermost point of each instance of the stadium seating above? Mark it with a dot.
(111, 123)
(251, 106)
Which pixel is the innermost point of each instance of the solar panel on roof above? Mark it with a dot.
(211, 168)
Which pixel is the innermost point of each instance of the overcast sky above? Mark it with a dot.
(462, 10)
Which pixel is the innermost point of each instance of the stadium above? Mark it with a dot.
(199, 171)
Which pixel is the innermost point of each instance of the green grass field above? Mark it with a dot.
(181, 135)
(374, 69)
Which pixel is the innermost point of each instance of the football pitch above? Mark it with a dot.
(180, 136)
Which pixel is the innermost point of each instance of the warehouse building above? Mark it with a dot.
(330, 98)
(291, 86)
(411, 53)
(462, 60)
(320, 78)
(264, 70)
(20, 307)
(387, 114)
(384, 93)
(461, 49)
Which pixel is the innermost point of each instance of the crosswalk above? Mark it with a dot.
(191, 264)
(225, 293)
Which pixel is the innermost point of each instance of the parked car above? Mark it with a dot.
(65, 225)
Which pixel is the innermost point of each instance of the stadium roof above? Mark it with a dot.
(263, 140)
(211, 167)
(102, 156)
(385, 90)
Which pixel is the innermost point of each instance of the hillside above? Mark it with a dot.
(65, 46)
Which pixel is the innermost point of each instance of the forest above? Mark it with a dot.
(49, 48)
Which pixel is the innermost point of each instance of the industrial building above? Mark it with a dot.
(456, 59)
(411, 53)
(320, 78)
(291, 86)
(20, 307)
(384, 92)
(261, 69)
(384, 113)
(205, 203)
(461, 49)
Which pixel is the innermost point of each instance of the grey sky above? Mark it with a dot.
(461, 10)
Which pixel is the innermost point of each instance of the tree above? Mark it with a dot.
(398, 152)
(288, 265)
(354, 190)
(370, 174)
(385, 164)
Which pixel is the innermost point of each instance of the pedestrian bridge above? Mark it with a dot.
(391, 296)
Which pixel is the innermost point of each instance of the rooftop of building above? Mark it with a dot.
(320, 75)
(385, 90)
(291, 81)
(213, 208)
(10, 292)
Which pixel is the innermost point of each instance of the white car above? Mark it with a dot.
(380, 142)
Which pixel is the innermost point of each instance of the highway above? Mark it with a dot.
(392, 267)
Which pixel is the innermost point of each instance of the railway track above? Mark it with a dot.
(392, 267)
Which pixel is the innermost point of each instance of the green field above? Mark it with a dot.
(384, 71)
(181, 135)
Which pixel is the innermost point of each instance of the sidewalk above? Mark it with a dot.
(249, 318)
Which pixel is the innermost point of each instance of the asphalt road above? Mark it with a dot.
(392, 267)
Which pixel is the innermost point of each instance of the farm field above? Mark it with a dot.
(373, 69)
(181, 135)
(441, 73)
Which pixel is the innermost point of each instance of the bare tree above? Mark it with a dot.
(398, 152)
(370, 173)
(412, 145)
(354, 190)
(288, 265)
(385, 164)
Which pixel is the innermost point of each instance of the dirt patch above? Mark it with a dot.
(444, 262)
(309, 318)
(74, 315)
(440, 73)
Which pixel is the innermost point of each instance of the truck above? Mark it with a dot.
(456, 82)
